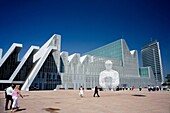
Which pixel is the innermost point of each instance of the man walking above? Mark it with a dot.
(9, 91)
(96, 92)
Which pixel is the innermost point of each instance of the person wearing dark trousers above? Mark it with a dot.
(140, 88)
(9, 91)
(96, 92)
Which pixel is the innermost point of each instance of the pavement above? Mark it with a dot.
(69, 101)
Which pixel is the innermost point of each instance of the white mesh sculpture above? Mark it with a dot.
(109, 78)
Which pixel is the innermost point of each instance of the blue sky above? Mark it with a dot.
(86, 24)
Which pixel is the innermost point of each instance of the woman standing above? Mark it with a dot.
(15, 94)
(81, 91)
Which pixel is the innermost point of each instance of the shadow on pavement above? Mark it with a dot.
(138, 95)
(20, 109)
(52, 110)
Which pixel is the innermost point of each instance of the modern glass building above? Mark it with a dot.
(46, 67)
(151, 56)
(112, 51)
(119, 52)
(126, 63)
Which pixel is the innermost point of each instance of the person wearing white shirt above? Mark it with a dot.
(9, 91)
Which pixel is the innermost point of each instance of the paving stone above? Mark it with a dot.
(69, 101)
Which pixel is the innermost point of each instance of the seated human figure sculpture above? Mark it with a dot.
(109, 78)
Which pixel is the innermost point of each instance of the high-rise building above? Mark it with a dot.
(151, 56)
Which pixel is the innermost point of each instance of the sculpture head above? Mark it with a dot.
(108, 65)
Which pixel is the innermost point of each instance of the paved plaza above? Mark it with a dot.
(68, 101)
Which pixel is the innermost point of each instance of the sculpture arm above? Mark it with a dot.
(101, 80)
(115, 80)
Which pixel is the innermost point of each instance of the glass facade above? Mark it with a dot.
(9, 65)
(120, 55)
(143, 71)
(151, 57)
(48, 77)
(112, 50)
(26, 68)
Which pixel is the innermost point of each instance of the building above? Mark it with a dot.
(168, 77)
(126, 63)
(39, 67)
(151, 56)
(48, 67)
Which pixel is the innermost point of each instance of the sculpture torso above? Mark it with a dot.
(109, 79)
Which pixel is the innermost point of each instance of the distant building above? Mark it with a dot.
(46, 67)
(168, 77)
(151, 56)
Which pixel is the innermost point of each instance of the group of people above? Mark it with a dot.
(12, 95)
(154, 88)
(81, 91)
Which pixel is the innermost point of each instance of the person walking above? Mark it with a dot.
(9, 91)
(133, 87)
(81, 91)
(140, 88)
(96, 92)
(15, 94)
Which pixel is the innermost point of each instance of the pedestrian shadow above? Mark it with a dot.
(138, 95)
(20, 109)
(52, 110)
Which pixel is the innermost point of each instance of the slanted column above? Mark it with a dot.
(56, 42)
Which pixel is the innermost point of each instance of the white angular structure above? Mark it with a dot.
(23, 60)
(28, 68)
(52, 45)
(47, 68)
(14, 48)
(11, 49)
